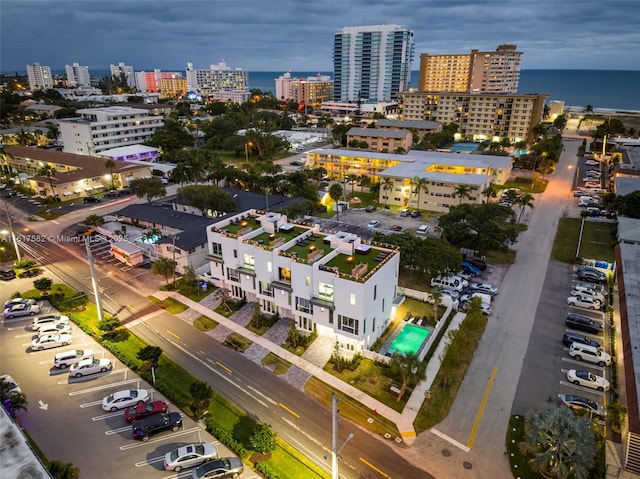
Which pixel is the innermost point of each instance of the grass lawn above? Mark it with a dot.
(265, 324)
(350, 409)
(597, 240)
(517, 460)
(372, 379)
(290, 464)
(524, 185)
(195, 294)
(238, 342)
(419, 308)
(204, 323)
(171, 305)
(507, 256)
(280, 365)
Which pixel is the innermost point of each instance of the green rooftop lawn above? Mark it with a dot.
(266, 238)
(345, 263)
(252, 223)
(302, 251)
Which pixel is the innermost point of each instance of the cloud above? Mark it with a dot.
(297, 35)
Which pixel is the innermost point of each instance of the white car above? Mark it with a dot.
(48, 319)
(592, 184)
(51, 341)
(598, 288)
(66, 358)
(578, 291)
(585, 352)
(484, 307)
(373, 224)
(90, 366)
(188, 456)
(20, 310)
(591, 163)
(484, 288)
(484, 297)
(61, 328)
(10, 384)
(124, 399)
(15, 301)
(423, 230)
(586, 302)
(587, 379)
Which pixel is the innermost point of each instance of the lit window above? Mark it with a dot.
(353, 298)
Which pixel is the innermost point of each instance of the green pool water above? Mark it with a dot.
(409, 340)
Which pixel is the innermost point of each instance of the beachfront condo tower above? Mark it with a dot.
(372, 63)
(39, 77)
(78, 75)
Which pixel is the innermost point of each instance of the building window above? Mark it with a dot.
(383, 305)
(304, 305)
(307, 280)
(269, 267)
(331, 316)
(285, 275)
(348, 324)
(266, 289)
(325, 291)
(375, 291)
(352, 299)
(235, 253)
(249, 261)
(233, 275)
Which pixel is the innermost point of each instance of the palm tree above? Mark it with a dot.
(562, 443)
(163, 267)
(110, 165)
(462, 191)
(50, 172)
(364, 181)
(490, 191)
(420, 185)
(335, 192)
(410, 368)
(524, 200)
(436, 294)
(387, 185)
(511, 194)
(63, 470)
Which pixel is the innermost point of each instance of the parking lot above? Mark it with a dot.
(65, 417)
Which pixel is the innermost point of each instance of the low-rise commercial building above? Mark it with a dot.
(337, 285)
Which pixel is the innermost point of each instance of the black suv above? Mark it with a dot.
(593, 275)
(146, 427)
(583, 323)
(570, 338)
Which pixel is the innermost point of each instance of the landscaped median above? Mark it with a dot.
(224, 420)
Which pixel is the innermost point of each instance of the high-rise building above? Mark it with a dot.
(78, 75)
(217, 77)
(480, 116)
(126, 70)
(150, 82)
(491, 72)
(305, 91)
(40, 77)
(372, 63)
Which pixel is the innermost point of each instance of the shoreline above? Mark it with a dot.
(579, 110)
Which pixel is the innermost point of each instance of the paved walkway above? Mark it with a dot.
(312, 362)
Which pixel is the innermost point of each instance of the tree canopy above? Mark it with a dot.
(148, 188)
(208, 198)
(171, 136)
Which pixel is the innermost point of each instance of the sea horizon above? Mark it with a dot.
(602, 89)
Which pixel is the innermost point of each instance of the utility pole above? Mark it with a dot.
(335, 451)
(94, 278)
(11, 232)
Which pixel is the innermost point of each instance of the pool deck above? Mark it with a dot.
(386, 347)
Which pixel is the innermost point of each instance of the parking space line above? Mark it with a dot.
(161, 439)
(106, 386)
(148, 462)
(106, 416)
(90, 404)
(583, 388)
(111, 432)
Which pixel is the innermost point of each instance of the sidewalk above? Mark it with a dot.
(404, 421)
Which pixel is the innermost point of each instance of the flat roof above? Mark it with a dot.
(378, 133)
(417, 124)
(128, 150)
(373, 155)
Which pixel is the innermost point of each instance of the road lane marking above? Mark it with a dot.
(450, 440)
(173, 334)
(160, 439)
(262, 395)
(483, 404)
(224, 367)
(294, 414)
(368, 464)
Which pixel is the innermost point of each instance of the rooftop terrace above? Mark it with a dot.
(310, 248)
(241, 227)
(361, 264)
(278, 238)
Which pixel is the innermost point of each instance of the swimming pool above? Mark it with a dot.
(410, 339)
(463, 146)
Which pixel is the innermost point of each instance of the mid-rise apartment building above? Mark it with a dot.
(372, 63)
(173, 88)
(99, 129)
(418, 128)
(39, 76)
(217, 77)
(384, 140)
(479, 116)
(312, 90)
(493, 72)
(126, 70)
(150, 82)
(77, 75)
(335, 284)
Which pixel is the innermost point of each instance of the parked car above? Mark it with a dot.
(478, 263)
(144, 409)
(587, 379)
(90, 366)
(404, 212)
(53, 328)
(468, 268)
(598, 288)
(66, 358)
(454, 282)
(48, 319)
(189, 456)
(91, 199)
(51, 341)
(423, 230)
(373, 224)
(124, 399)
(591, 184)
(591, 163)
(577, 291)
(20, 310)
(370, 209)
(416, 214)
(16, 301)
(569, 338)
(112, 194)
(586, 302)
(581, 403)
(396, 228)
(584, 323)
(10, 386)
(579, 193)
(7, 274)
(587, 273)
(483, 288)
(484, 307)
(584, 352)
(485, 298)
(219, 469)
(146, 427)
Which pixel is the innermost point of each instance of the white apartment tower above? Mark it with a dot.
(40, 77)
(99, 129)
(372, 62)
(217, 77)
(127, 70)
(305, 91)
(78, 76)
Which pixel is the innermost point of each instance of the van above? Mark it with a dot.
(455, 283)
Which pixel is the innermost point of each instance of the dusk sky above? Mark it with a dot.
(297, 35)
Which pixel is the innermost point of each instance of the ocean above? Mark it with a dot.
(602, 89)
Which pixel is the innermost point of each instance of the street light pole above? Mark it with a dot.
(13, 235)
(173, 238)
(335, 451)
(94, 279)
